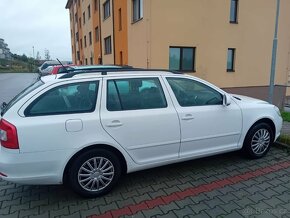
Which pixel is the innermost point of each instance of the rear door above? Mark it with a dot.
(139, 115)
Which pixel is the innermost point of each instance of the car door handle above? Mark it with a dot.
(114, 123)
(187, 117)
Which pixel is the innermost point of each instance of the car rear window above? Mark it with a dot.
(20, 95)
(65, 99)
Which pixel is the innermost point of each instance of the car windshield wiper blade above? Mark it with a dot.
(2, 108)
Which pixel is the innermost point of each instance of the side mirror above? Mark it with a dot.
(227, 100)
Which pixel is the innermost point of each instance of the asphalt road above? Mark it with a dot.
(13, 83)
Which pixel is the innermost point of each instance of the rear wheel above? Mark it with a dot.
(258, 140)
(94, 172)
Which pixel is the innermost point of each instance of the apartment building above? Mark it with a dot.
(226, 42)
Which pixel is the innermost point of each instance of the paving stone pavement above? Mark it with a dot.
(226, 185)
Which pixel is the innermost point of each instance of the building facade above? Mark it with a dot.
(227, 42)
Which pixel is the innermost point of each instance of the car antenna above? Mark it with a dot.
(62, 66)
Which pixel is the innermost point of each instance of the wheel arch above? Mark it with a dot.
(267, 121)
(102, 146)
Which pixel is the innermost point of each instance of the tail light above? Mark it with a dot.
(8, 135)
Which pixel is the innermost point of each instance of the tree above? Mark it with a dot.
(46, 55)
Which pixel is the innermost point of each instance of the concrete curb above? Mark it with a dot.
(283, 145)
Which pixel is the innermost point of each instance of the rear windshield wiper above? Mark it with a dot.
(2, 108)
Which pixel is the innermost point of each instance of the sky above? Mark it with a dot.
(42, 24)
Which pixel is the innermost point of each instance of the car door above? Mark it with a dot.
(207, 126)
(139, 115)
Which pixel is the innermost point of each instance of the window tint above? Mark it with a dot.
(135, 94)
(72, 98)
(231, 60)
(182, 58)
(107, 9)
(234, 11)
(192, 93)
(137, 10)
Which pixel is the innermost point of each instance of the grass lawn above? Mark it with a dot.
(286, 116)
(284, 139)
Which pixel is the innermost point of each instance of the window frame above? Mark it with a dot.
(104, 9)
(163, 89)
(181, 57)
(90, 38)
(89, 12)
(140, 11)
(197, 81)
(236, 10)
(105, 45)
(120, 18)
(84, 18)
(97, 34)
(26, 112)
(233, 58)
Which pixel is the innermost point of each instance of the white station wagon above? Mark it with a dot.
(89, 128)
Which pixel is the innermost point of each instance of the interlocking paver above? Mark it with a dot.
(268, 192)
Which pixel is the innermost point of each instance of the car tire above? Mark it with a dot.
(258, 141)
(94, 172)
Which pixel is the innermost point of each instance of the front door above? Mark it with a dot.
(207, 126)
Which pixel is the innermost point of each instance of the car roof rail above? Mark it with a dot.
(104, 71)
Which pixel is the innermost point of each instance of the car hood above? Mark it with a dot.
(246, 99)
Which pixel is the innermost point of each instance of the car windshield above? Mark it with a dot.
(23, 93)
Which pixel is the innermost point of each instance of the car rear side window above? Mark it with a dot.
(65, 99)
(135, 94)
(193, 93)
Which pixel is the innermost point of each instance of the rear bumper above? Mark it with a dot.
(33, 168)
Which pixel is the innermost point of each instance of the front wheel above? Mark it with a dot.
(258, 140)
(94, 172)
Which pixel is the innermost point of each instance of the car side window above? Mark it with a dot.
(135, 94)
(65, 99)
(193, 93)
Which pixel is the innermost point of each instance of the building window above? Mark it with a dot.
(85, 39)
(86, 61)
(81, 42)
(120, 18)
(77, 36)
(91, 60)
(182, 58)
(84, 18)
(96, 5)
(76, 18)
(90, 38)
(78, 55)
(108, 45)
(234, 11)
(137, 10)
(107, 10)
(97, 34)
(231, 60)
(89, 12)
(121, 58)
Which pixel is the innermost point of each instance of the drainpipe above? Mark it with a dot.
(274, 55)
